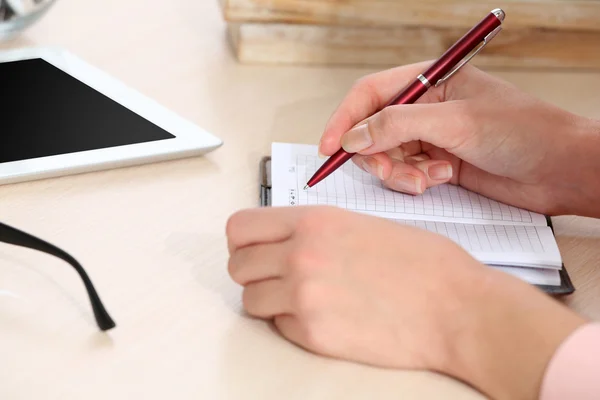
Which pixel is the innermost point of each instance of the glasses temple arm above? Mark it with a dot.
(16, 237)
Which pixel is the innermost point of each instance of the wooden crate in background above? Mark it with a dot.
(553, 14)
(537, 34)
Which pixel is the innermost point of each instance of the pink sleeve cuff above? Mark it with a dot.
(574, 371)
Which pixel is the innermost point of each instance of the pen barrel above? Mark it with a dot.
(462, 48)
(410, 94)
(413, 91)
(335, 161)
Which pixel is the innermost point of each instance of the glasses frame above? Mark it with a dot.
(16, 237)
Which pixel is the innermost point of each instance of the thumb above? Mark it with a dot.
(441, 124)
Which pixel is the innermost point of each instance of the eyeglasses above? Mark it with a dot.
(16, 237)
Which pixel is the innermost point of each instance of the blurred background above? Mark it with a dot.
(296, 58)
(18, 15)
(380, 33)
(548, 34)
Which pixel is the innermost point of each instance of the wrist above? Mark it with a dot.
(578, 170)
(511, 333)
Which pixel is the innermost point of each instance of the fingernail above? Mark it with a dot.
(357, 139)
(409, 183)
(321, 155)
(440, 172)
(373, 167)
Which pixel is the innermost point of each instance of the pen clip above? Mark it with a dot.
(480, 47)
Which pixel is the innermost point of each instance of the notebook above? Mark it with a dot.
(510, 239)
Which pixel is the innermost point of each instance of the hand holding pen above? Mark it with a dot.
(434, 76)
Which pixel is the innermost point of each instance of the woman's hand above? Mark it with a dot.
(365, 289)
(475, 131)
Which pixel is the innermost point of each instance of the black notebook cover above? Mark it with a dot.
(566, 287)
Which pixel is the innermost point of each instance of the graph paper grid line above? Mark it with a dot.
(486, 238)
(493, 232)
(354, 189)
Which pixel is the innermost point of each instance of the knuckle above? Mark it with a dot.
(307, 297)
(307, 253)
(301, 261)
(358, 85)
(366, 88)
(308, 222)
(296, 259)
(314, 219)
(363, 83)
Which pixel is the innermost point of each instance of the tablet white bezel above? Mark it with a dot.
(189, 139)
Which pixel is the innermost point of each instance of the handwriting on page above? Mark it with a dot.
(351, 188)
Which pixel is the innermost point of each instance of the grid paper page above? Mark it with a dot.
(351, 188)
(501, 245)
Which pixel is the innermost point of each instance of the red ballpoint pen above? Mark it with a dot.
(446, 66)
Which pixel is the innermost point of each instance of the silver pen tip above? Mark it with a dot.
(499, 13)
(306, 187)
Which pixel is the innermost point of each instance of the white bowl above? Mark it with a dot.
(18, 15)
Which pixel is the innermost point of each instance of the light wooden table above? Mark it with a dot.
(152, 237)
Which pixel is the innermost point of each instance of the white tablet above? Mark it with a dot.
(59, 116)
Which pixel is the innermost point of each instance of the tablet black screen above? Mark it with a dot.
(45, 111)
